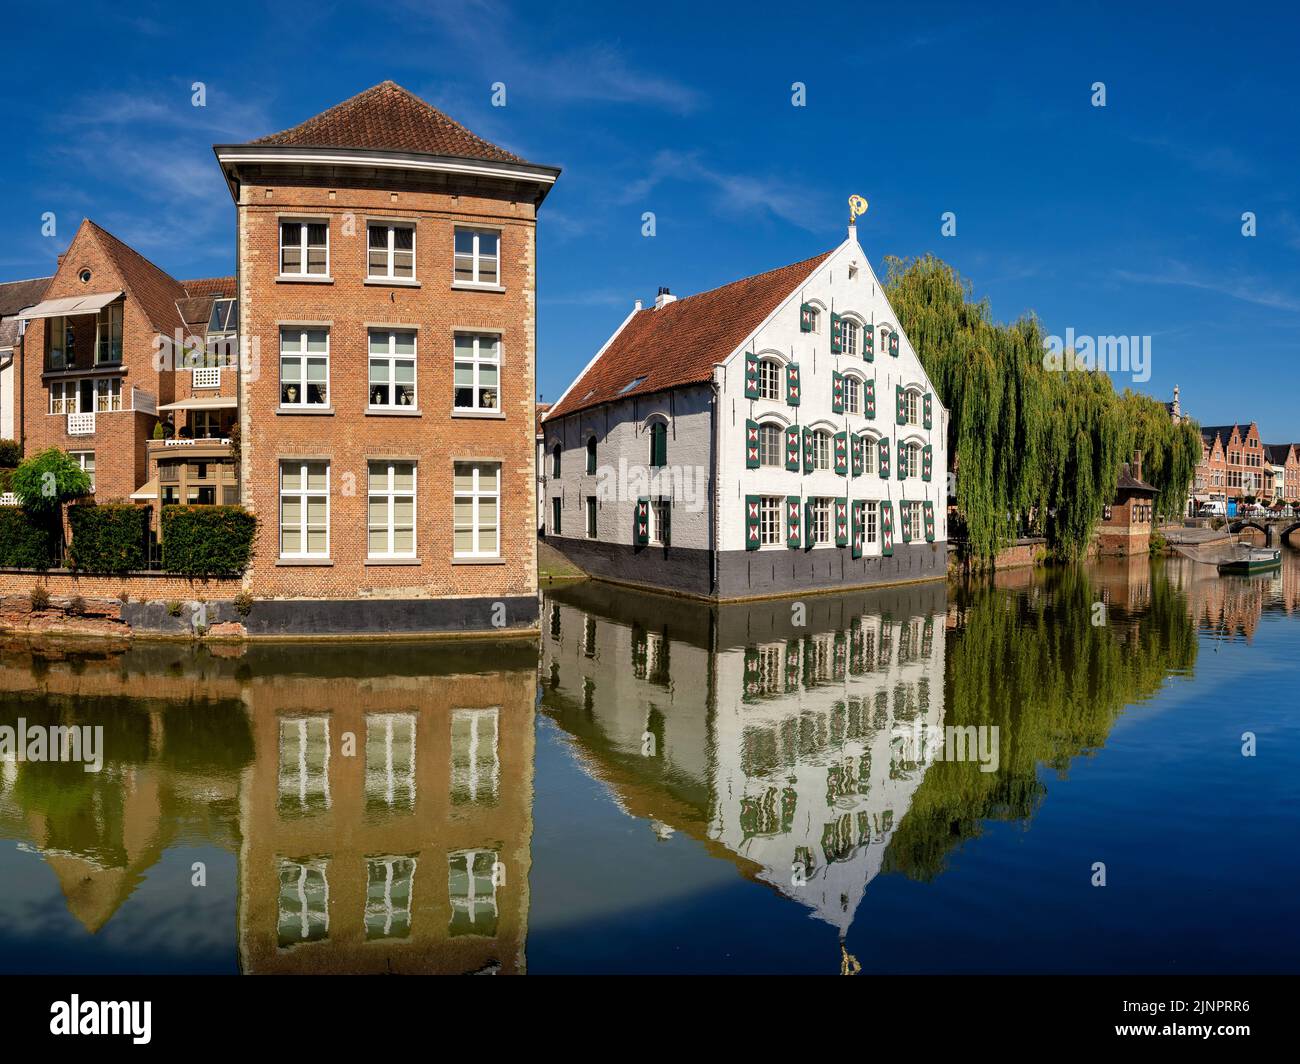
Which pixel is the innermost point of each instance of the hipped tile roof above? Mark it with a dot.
(389, 118)
(681, 342)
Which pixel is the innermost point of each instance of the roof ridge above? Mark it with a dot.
(27, 280)
(128, 248)
(751, 277)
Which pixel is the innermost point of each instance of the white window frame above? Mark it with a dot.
(660, 518)
(912, 455)
(871, 514)
(592, 517)
(912, 406)
(475, 494)
(848, 336)
(916, 511)
(821, 449)
(770, 510)
(393, 784)
(770, 373)
(477, 360)
(302, 224)
(391, 252)
(393, 358)
(108, 395)
(814, 319)
(477, 258)
(395, 868)
(852, 394)
(870, 456)
(81, 457)
(65, 403)
(766, 431)
(819, 527)
(106, 319)
(302, 495)
(468, 777)
(391, 495)
(302, 356)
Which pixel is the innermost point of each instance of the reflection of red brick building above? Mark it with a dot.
(1126, 523)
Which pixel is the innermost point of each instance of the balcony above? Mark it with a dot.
(193, 450)
(81, 424)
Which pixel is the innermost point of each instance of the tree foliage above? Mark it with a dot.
(1032, 448)
(47, 480)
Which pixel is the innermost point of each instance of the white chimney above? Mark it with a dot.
(663, 298)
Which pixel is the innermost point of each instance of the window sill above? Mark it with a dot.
(304, 561)
(478, 561)
(392, 561)
(471, 286)
(394, 282)
(490, 414)
(310, 411)
(303, 278)
(393, 411)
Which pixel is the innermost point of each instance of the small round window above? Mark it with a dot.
(85, 276)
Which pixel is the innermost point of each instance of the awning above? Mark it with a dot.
(58, 308)
(206, 402)
(148, 493)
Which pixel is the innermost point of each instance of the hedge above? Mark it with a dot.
(10, 454)
(207, 540)
(26, 542)
(108, 540)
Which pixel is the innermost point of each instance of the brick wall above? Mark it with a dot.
(348, 435)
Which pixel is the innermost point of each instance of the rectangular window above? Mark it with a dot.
(870, 463)
(304, 367)
(771, 445)
(478, 371)
(660, 522)
(225, 317)
(390, 760)
(61, 337)
(849, 333)
(820, 532)
(85, 459)
(390, 882)
(917, 517)
(477, 256)
(392, 368)
(304, 509)
(108, 394)
(63, 397)
(770, 520)
(304, 249)
(475, 756)
(769, 379)
(472, 891)
(108, 334)
(871, 517)
(852, 395)
(304, 765)
(391, 510)
(821, 450)
(910, 403)
(476, 510)
(912, 455)
(556, 509)
(591, 517)
(391, 252)
(304, 902)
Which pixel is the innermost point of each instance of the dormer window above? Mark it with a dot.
(225, 316)
(635, 382)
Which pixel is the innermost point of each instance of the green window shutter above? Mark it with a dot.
(900, 410)
(751, 376)
(808, 524)
(929, 522)
(837, 392)
(902, 460)
(869, 402)
(809, 460)
(925, 404)
(905, 520)
(792, 521)
(868, 342)
(805, 317)
(859, 525)
(886, 528)
(856, 469)
(893, 344)
(837, 334)
(753, 674)
(927, 461)
(842, 453)
(641, 526)
(751, 444)
(792, 448)
(841, 522)
(753, 521)
(792, 384)
(882, 449)
(658, 445)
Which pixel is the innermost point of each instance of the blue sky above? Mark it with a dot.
(1122, 220)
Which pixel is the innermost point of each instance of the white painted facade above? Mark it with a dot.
(7, 425)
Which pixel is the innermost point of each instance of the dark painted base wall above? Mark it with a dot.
(748, 574)
(337, 617)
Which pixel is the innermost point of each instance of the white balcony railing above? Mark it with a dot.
(8, 499)
(206, 377)
(184, 442)
(81, 424)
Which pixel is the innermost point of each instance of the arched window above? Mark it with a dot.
(911, 407)
(912, 455)
(555, 461)
(591, 454)
(658, 445)
(848, 336)
(821, 449)
(769, 379)
(771, 445)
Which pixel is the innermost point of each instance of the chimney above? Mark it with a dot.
(664, 297)
(1136, 466)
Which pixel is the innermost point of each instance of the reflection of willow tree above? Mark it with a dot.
(1036, 667)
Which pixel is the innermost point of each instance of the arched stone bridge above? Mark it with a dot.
(1275, 529)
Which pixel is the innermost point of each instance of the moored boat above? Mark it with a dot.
(1252, 560)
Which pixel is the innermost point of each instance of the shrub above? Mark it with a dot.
(108, 540)
(157, 430)
(6, 478)
(40, 598)
(47, 480)
(174, 608)
(244, 603)
(10, 454)
(124, 596)
(207, 540)
(27, 541)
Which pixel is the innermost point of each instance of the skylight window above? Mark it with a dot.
(630, 385)
(225, 316)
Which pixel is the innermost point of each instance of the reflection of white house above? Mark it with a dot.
(797, 750)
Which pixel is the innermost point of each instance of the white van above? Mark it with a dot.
(1212, 509)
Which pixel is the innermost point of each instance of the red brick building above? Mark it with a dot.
(1233, 462)
(1126, 523)
(1286, 457)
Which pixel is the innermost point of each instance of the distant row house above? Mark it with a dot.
(773, 435)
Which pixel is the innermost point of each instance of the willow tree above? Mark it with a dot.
(1032, 447)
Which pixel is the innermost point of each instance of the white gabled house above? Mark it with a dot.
(772, 436)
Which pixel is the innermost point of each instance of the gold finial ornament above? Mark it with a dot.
(857, 206)
(849, 964)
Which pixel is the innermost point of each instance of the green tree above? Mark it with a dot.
(47, 480)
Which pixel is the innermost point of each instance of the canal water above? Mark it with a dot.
(1093, 769)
